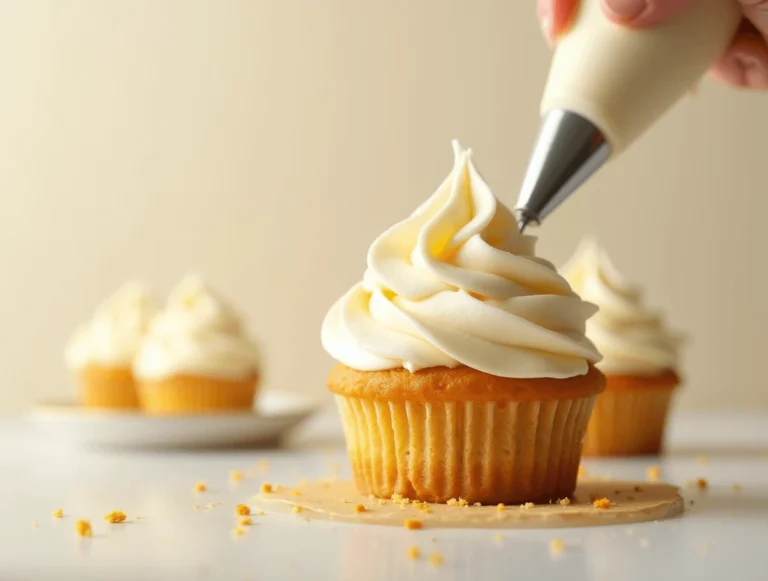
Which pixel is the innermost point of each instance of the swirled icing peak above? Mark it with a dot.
(454, 284)
(632, 337)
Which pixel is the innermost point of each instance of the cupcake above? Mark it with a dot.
(640, 359)
(101, 352)
(464, 370)
(197, 356)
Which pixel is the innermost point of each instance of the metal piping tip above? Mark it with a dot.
(568, 150)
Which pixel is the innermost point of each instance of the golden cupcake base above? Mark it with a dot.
(186, 394)
(108, 387)
(630, 417)
(444, 433)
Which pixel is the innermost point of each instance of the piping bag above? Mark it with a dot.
(607, 84)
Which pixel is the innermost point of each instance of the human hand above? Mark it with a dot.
(744, 64)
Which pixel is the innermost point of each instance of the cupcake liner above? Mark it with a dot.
(194, 395)
(488, 452)
(628, 422)
(108, 387)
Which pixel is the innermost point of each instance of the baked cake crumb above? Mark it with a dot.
(556, 545)
(381, 501)
(83, 528)
(412, 524)
(527, 505)
(201, 487)
(564, 501)
(653, 473)
(295, 492)
(238, 532)
(115, 517)
(266, 488)
(35, 524)
(702, 484)
(243, 510)
(452, 502)
(260, 513)
(500, 506)
(246, 521)
(236, 475)
(359, 508)
(296, 509)
(602, 503)
(477, 504)
(736, 487)
(413, 552)
(436, 559)
(58, 513)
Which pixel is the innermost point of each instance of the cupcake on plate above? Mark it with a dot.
(197, 356)
(464, 368)
(640, 358)
(101, 352)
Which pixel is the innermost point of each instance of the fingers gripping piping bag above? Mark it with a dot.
(608, 83)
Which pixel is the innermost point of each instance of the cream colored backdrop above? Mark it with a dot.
(267, 142)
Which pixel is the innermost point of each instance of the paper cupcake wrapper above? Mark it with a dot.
(193, 395)
(628, 422)
(108, 387)
(512, 452)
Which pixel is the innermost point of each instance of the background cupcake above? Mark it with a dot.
(197, 356)
(101, 352)
(465, 371)
(640, 358)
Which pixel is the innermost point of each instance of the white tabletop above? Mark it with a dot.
(722, 536)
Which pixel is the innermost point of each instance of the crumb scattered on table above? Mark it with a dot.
(736, 487)
(413, 553)
(236, 476)
(500, 506)
(296, 509)
(243, 510)
(436, 559)
(246, 521)
(83, 528)
(266, 488)
(653, 473)
(564, 501)
(556, 545)
(58, 513)
(602, 503)
(498, 538)
(359, 508)
(238, 532)
(201, 487)
(115, 517)
(35, 524)
(412, 524)
(527, 505)
(644, 543)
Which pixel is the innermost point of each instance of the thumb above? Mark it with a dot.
(643, 12)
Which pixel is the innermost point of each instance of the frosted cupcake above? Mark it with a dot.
(464, 368)
(640, 359)
(100, 353)
(197, 356)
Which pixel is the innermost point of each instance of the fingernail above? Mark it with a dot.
(625, 9)
(545, 18)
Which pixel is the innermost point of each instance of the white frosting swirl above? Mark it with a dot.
(112, 337)
(198, 334)
(457, 284)
(631, 337)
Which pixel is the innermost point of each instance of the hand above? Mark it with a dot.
(744, 64)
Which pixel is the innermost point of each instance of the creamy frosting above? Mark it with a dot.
(631, 337)
(197, 333)
(113, 335)
(457, 284)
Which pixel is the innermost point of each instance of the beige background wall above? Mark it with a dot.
(266, 143)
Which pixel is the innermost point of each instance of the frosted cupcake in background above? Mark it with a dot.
(197, 356)
(640, 358)
(101, 352)
(464, 367)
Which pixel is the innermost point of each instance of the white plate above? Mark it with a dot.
(276, 415)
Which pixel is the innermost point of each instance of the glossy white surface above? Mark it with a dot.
(721, 537)
(67, 422)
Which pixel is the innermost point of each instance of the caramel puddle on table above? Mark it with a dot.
(632, 502)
